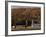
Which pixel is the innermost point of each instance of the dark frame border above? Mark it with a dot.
(6, 18)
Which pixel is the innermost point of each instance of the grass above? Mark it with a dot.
(19, 28)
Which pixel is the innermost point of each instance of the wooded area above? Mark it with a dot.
(25, 16)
